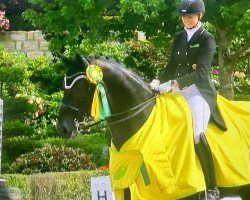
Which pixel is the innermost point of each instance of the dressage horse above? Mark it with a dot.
(131, 103)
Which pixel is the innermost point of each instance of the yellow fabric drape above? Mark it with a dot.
(166, 143)
(95, 105)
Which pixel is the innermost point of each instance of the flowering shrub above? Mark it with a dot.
(215, 77)
(4, 22)
(44, 115)
(35, 101)
(51, 158)
(241, 81)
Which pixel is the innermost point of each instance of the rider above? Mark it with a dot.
(188, 69)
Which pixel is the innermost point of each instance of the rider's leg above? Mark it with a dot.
(204, 154)
(201, 113)
(199, 109)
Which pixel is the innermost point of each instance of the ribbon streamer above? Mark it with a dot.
(100, 107)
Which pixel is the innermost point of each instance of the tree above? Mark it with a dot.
(67, 22)
(99, 19)
(157, 18)
(231, 20)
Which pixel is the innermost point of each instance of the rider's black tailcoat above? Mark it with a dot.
(190, 63)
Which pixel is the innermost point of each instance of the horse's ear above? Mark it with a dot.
(63, 57)
(83, 59)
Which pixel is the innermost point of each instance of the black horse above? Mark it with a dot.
(130, 100)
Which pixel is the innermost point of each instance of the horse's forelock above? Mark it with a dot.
(77, 64)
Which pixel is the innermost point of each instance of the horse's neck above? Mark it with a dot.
(124, 93)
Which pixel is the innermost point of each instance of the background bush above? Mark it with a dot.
(20, 181)
(54, 186)
(95, 144)
(51, 158)
(16, 128)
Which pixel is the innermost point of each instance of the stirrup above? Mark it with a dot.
(212, 194)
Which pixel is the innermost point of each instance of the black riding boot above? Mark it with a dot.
(204, 154)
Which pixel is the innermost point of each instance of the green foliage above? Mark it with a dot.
(242, 97)
(63, 185)
(25, 77)
(18, 108)
(95, 144)
(21, 182)
(30, 89)
(44, 119)
(47, 75)
(100, 19)
(13, 69)
(237, 12)
(147, 58)
(61, 28)
(51, 158)
(16, 146)
(155, 18)
(33, 113)
(15, 128)
(109, 48)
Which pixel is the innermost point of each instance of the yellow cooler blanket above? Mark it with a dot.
(159, 161)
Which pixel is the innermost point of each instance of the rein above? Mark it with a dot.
(143, 105)
(140, 107)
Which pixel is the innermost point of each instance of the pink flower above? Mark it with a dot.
(2, 13)
(4, 22)
(7, 24)
(40, 110)
(215, 72)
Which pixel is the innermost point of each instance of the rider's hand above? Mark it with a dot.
(165, 87)
(154, 84)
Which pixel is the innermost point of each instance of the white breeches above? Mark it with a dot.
(199, 108)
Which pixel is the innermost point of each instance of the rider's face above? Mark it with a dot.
(190, 21)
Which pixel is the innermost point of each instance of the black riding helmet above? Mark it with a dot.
(190, 7)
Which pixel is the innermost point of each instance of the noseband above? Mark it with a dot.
(79, 75)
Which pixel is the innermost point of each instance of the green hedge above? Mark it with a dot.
(95, 144)
(14, 147)
(242, 97)
(54, 186)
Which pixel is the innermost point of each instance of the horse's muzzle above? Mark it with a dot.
(65, 132)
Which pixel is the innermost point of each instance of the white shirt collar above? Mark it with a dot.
(190, 32)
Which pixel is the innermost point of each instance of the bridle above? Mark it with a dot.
(82, 125)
